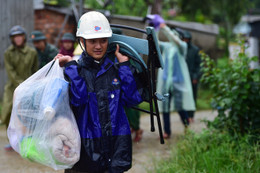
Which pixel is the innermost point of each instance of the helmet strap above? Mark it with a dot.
(84, 50)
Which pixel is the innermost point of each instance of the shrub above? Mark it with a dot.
(236, 93)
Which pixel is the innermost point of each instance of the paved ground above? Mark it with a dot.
(144, 152)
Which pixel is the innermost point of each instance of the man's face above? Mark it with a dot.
(40, 45)
(19, 40)
(97, 47)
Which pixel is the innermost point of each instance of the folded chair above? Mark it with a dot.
(136, 48)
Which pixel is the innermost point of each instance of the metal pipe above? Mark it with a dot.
(128, 27)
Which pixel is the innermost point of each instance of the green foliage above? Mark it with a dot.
(220, 11)
(236, 93)
(214, 152)
(222, 62)
(122, 7)
(62, 3)
(226, 13)
(203, 100)
(194, 10)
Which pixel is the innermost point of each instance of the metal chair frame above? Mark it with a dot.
(149, 47)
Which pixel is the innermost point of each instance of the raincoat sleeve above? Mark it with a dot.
(130, 95)
(10, 67)
(173, 37)
(78, 88)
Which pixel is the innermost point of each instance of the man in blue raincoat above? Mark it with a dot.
(99, 90)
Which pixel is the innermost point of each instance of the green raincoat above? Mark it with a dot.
(47, 55)
(174, 78)
(19, 64)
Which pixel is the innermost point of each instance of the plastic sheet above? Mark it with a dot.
(42, 126)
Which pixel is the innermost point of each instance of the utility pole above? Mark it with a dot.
(81, 6)
(157, 7)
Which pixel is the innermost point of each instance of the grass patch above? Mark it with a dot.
(212, 152)
(144, 105)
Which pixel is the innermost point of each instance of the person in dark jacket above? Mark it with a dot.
(67, 44)
(46, 52)
(99, 90)
(193, 61)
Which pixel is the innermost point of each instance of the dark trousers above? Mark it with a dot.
(194, 90)
(178, 104)
(73, 171)
(166, 120)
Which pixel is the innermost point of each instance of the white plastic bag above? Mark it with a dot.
(42, 127)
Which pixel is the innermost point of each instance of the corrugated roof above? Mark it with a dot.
(250, 18)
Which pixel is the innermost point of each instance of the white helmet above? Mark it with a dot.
(93, 25)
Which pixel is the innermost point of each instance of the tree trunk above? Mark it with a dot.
(157, 7)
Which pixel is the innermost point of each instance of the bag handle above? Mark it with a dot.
(50, 67)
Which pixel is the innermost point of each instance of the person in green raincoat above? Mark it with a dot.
(20, 62)
(46, 52)
(174, 79)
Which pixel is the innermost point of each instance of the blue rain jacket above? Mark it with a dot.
(174, 78)
(98, 93)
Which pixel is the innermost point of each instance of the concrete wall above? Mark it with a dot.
(204, 36)
(12, 12)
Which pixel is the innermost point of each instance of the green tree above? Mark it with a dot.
(122, 7)
(190, 8)
(226, 13)
(229, 13)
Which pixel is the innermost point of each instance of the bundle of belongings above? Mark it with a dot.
(42, 126)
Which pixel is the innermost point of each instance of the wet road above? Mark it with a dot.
(144, 152)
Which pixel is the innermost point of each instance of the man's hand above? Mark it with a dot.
(121, 58)
(63, 59)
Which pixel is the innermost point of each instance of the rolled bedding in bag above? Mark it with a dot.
(64, 141)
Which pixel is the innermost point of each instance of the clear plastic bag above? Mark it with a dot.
(42, 127)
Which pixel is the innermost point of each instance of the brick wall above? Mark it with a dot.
(50, 23)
